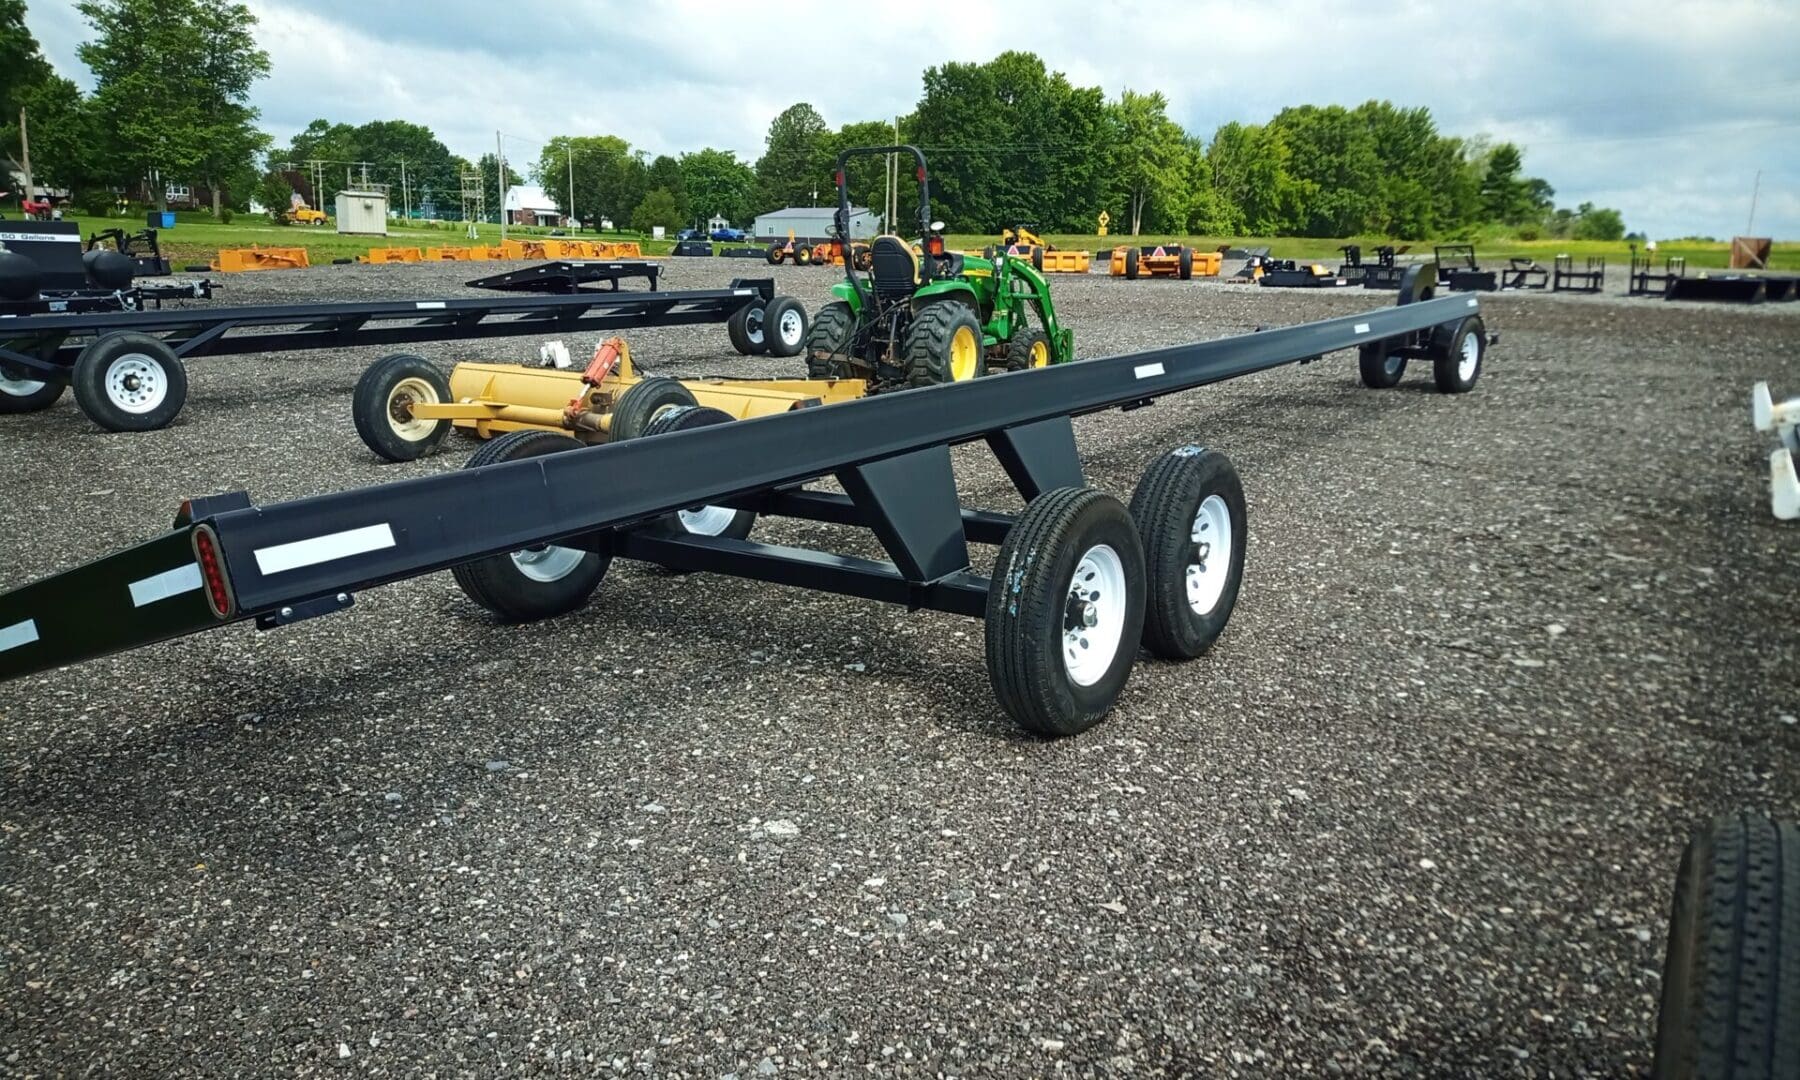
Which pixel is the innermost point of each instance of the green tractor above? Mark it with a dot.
(922, 315)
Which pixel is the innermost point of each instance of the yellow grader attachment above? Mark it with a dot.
(455, 254)
(404, 407)
(236, 260)
(387, 255)
(1066, 262)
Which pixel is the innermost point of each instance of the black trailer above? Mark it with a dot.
(568, 276)
(1569, 279)
(1524, 273)
(1732, 288)
(127, 368)
(532, 524)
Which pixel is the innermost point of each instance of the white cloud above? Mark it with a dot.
(1666, 110)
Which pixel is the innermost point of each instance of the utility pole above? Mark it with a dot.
(405, 197)
(571, 183)
(500, 176)
(25, 151)
(1749, 228)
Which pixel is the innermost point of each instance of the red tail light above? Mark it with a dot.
(921, 174)
(935, 245)
(212, 572)
(837, 178)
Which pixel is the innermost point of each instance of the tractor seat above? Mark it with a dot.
(893, 266)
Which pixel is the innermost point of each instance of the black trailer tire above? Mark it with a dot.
(784, 326)
(745, 328)
(938, 348)
(1189, 509)
(1380, 369)
(640, 404)
(21, 394)
(699, 520)
(827, 344)
(1065, 611)
(1028, 349)
(1131, 264)
(774, 256)
(1185, 264)
(536, 582)
(381, 407)
(128, 381)
(803, 256)
(1457, 356)
(1731, 979)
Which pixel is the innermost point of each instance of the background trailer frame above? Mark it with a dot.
(226, 560)
(42, 354)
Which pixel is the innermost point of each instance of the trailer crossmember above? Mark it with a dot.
(227, 560)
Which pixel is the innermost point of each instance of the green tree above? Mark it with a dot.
(657, 207)
(665, 172)
(1249, 169)
(1598, 223)
(1505, 195)
(172, 85)
(716, 182)
(609, 176)
(795, 161)
(1148, 161)
(61, 128)
(492, 198)
(868, 176)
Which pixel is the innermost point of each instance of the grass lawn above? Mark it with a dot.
(196, 239)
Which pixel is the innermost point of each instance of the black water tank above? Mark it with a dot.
(18, 276)
(109, 269)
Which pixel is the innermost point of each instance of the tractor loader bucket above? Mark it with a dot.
(388, 255)
(455, 254)
(236, 260)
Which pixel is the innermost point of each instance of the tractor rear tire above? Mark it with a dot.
(698, 520)
(127, 381)
(1185, 264)
(944, 345)
(827, 344)
(380, 407)
(1028, 349)
(1189, 509)
(745, 329)
(22, 394)
(536, 582)
(1131, 264)
(784, 326)
(642, 402)
(1731, 978)
(1457, 356)
(1065, 611)
(1380, 369)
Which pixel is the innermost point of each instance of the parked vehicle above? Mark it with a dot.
(729, 235)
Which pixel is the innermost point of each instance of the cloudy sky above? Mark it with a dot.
(1666, 109)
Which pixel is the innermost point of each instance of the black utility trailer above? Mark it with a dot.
(1524, 273)
(568, 276)
(532, 524)
(1384, 273)
(127, 367)
(1458, 271)
(1732, 288)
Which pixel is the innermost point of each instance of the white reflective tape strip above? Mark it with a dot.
(428, 304)
(1474, 302)
(743, 292)
(166, 584)
(340, 545)
(1362, 327)
(32, 237)
(24, 633)
(1145, 371)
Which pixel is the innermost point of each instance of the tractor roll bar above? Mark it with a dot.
(228, 560)
(841, 219)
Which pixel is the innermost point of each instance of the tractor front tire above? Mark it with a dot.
(536, 582)
(1065, 611)
(381, 407)
(944, 345)
(1380, 369)
(1028, 349)
(642, 402)
(827, 344)
(1189, 509)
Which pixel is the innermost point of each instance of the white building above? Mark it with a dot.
(813, 223)
(528, 205)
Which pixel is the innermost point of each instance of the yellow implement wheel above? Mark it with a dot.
(406, 394)
(1040, 353)
(965, 350)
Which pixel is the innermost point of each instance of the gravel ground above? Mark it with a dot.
(1417, 814)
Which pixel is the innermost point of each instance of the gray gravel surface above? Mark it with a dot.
(1417, 814)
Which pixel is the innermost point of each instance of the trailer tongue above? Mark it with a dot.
(1078, 581)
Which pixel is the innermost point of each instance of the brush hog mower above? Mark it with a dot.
(1163, 260)
(921, 315)
(1289, 274)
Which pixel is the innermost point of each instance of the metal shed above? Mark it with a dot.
(362, 211)
(813, 222)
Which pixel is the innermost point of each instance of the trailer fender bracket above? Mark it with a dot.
(287, 614)
(1040, 456)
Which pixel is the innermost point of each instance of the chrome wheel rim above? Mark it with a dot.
(1094, 617)
(18, 387)
(136, 383)
(1211, 555)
